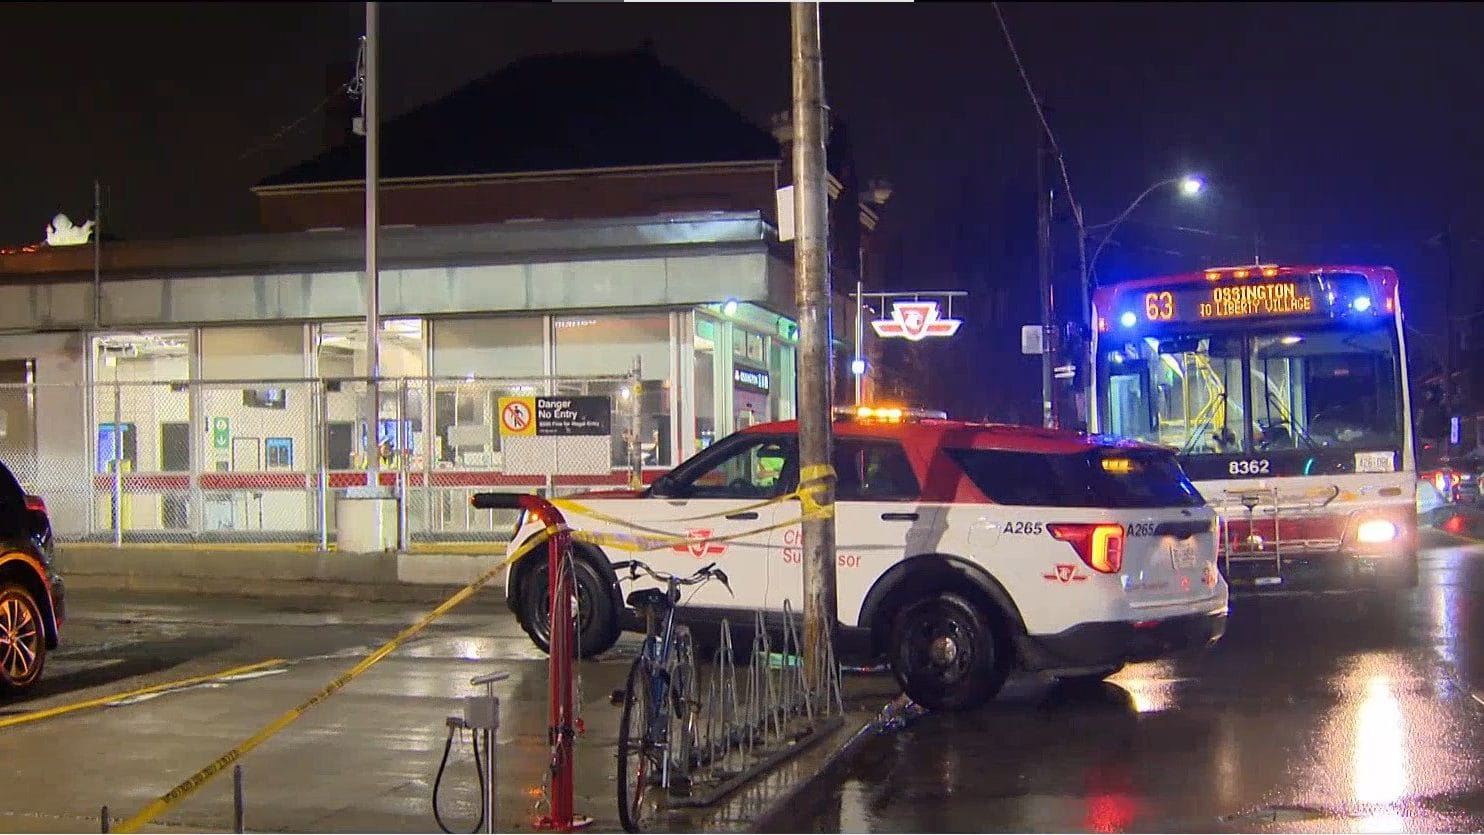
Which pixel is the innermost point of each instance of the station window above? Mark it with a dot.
(604, 347)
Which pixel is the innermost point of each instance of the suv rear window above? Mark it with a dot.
(1101, 478)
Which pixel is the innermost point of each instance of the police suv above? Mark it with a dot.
(963, 550)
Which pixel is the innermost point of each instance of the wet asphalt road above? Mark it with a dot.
(1315, 713)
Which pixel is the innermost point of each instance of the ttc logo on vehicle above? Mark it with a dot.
(699, 547)
(1065, 573)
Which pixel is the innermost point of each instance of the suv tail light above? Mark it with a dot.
(35, 503)
(1099, 544)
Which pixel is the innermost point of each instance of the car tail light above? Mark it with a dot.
(1099, 544)
(35, 503)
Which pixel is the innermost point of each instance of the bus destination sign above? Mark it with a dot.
(1228, 301)
(1240, 301)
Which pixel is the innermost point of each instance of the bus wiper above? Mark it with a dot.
(1298, 429)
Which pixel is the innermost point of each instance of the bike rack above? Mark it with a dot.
(561, 731)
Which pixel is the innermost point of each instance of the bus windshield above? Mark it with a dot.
(1324, 387)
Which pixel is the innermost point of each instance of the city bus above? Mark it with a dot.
(1283, 390)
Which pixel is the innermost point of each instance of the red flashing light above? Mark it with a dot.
(35, 503)
(1099, 544)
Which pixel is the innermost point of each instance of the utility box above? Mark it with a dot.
(366, 520)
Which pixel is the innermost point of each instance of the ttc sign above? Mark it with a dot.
(915, 321)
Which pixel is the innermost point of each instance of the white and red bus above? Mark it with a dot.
(1283, 391)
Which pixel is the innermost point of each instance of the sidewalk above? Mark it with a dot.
(269, 571)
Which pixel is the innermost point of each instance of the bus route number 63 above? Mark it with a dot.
(1257, 467)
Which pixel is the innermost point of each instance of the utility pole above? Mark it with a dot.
(371, 120)
(1043, 269)
(1448, 335)
(812, 294)
(97, 255)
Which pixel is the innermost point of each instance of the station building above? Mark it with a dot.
(570, 226)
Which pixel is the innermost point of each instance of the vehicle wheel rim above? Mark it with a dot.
(20, 638)
(939, 649)
(581, 603)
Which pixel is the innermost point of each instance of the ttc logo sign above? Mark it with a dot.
(915, 321)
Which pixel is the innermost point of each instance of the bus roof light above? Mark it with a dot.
(1269, 272)
(1241, 273)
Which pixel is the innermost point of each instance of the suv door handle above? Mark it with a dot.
(899, 517)
(747, 515)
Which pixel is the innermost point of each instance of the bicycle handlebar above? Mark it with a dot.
(701, 575)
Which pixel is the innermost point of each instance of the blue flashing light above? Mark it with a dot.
(1361, 304)
(1128, 319)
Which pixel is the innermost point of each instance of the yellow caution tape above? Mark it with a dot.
(62, 710)
(220, 764)
(813, 494)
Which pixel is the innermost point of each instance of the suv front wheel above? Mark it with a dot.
(947, 654)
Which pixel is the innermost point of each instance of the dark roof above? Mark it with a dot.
(553, 113)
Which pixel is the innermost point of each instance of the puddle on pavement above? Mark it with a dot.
(1278, 814)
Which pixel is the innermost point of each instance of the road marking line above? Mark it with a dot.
(102, 701)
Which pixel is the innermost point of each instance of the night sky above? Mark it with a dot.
(1334, 132)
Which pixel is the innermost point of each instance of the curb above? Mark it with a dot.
(275, 588)
(779, 811)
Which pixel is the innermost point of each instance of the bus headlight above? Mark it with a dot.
(1376, 531)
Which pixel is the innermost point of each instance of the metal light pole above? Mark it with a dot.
(371, 119)
(858, 364)
(812, 294)
(1190, 186)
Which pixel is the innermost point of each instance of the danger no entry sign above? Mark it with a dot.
(556, 416)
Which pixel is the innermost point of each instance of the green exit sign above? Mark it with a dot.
(221, 433)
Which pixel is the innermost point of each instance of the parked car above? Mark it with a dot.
(32, 598)
(964, 550)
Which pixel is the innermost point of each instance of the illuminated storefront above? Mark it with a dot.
(224, 402)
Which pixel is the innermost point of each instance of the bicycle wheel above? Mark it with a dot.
(640, 754)
(684, 697)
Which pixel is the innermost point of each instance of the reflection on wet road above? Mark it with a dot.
(1315, 713)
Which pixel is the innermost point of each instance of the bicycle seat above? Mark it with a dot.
(648, 598)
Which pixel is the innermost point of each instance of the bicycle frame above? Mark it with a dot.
(658, 645)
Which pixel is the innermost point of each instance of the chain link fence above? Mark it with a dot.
(263, 461)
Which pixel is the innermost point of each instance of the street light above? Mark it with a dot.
(1190, 186)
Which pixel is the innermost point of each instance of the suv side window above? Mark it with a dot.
(753, 467)
(870, 470)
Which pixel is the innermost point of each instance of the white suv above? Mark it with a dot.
(963, 550)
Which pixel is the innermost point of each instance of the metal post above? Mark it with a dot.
(636, 427)
(323, 454)
(559, 671)
(118, 460)
(1043, 270)
(860, 338)
(811, 270)
(403, 452)
(237, 800)
(103, 819)
(371, 118)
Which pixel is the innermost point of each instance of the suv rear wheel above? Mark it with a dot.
(22, 638)
(947, 653)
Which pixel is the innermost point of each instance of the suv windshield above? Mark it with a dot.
(1325, 387)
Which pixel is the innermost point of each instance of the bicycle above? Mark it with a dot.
(655, 743)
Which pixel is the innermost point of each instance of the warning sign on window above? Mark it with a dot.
(517, 416)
